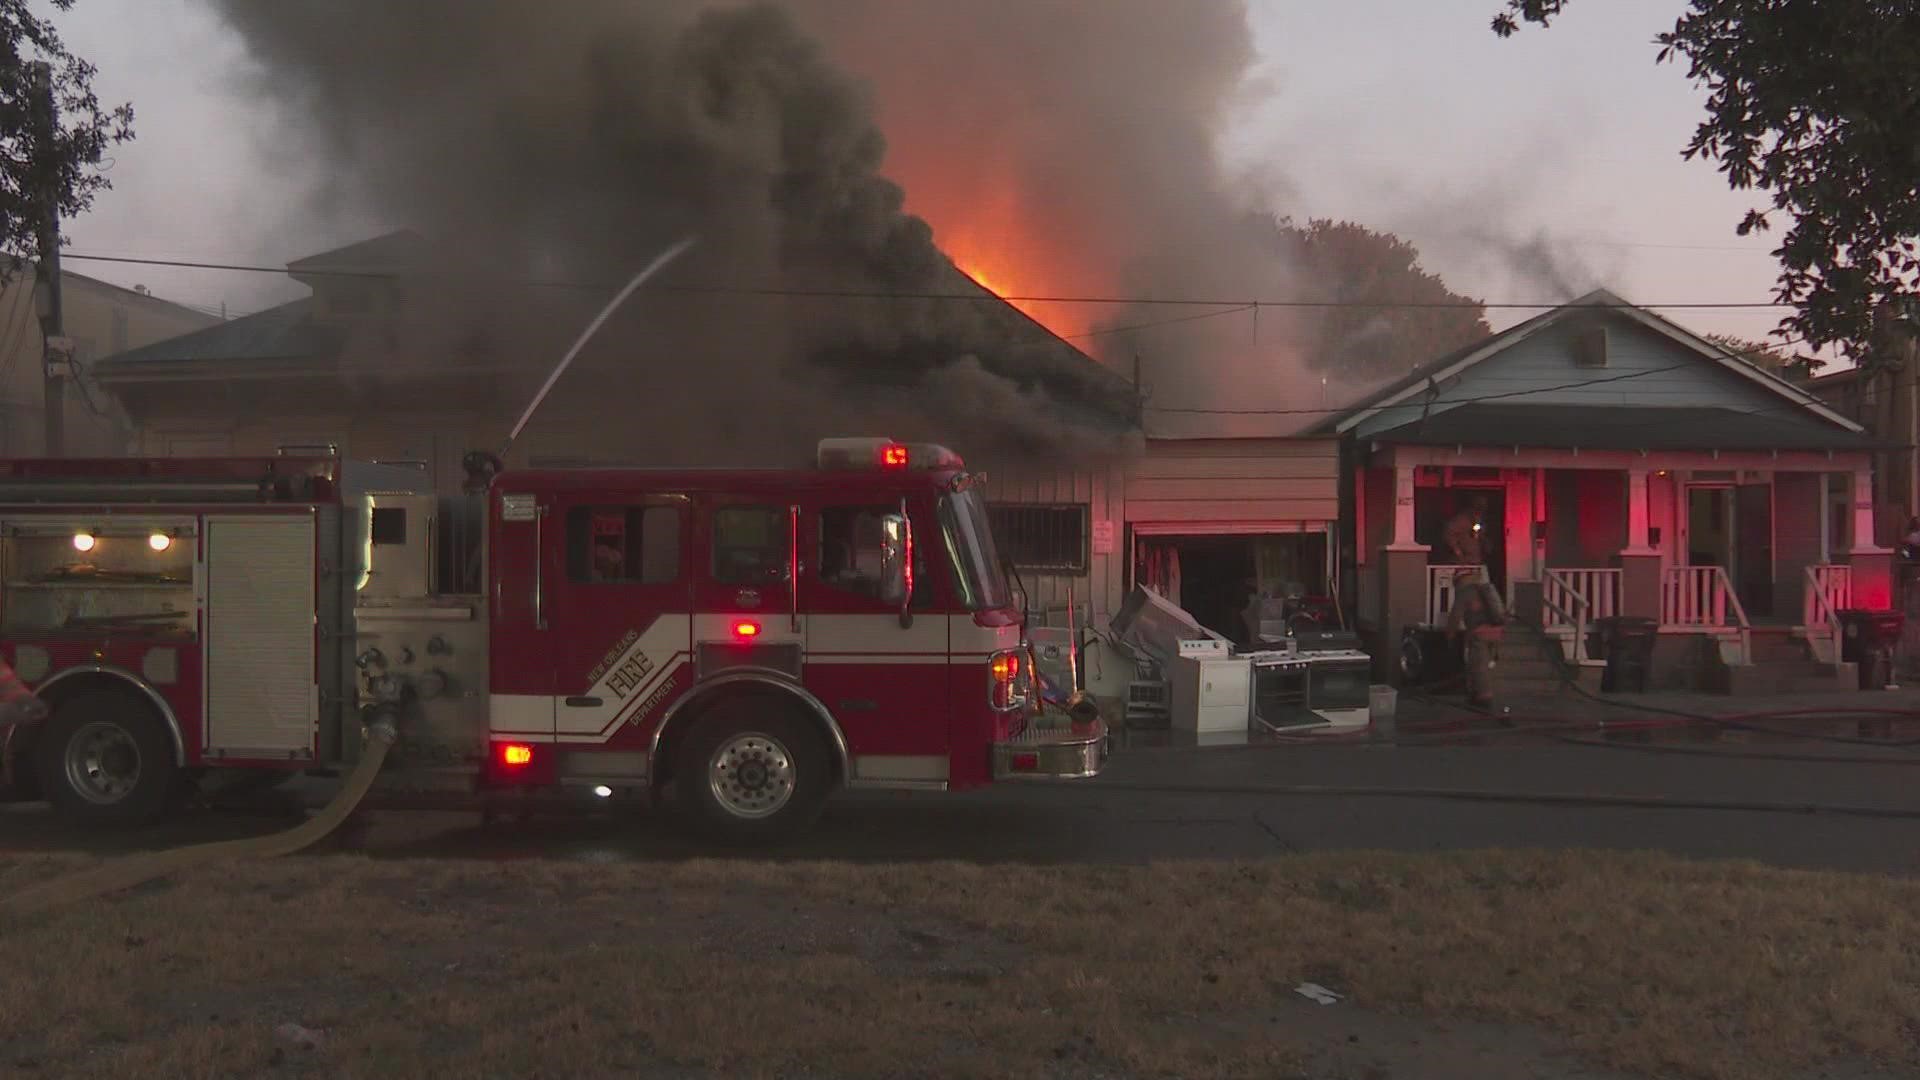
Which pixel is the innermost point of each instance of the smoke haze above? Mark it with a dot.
(1058, 147)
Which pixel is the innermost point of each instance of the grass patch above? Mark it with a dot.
(1643, 963)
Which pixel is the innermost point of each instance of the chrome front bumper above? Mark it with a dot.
(1053, 753)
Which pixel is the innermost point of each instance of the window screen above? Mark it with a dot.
(638, 545)
(1041, 537)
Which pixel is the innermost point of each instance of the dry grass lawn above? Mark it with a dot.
(1644, 964)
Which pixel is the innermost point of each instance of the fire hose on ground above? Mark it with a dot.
(125, 873)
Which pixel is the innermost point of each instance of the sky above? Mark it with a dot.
(1406, 115)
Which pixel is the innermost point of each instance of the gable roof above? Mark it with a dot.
(1460, 360)
(384, 253)
(1575, 427)
(287, 332)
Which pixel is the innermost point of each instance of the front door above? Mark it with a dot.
(884, 682)
(1753, 548)
(621, 609)
(1710, 527)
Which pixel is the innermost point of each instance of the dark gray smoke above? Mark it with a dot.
(1062, 144)
(569, 142)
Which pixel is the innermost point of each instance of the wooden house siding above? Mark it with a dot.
(1642, 369)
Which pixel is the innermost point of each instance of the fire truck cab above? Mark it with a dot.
(740, 642)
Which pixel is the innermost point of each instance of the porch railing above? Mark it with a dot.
(1829, 592)
(1441, 588)
(1702, 598)
(1574, 598)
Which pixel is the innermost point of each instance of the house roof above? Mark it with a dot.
(1573, 427)
(1458, 361)
(287, 332)
(380, 254)
(1031, 356)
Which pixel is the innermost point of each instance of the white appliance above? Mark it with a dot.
(1211, 689)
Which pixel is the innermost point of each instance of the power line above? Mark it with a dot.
(981, 297)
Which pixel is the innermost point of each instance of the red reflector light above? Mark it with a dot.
(744, 629)
(893, 457)
(516, 755)
(1026, 763)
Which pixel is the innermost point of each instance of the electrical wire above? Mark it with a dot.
(975, 297)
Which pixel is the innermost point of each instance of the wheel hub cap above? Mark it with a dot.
(103, 763)
(751, 775)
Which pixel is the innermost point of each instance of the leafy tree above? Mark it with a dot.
(1767, 357)
(1818, 104)
(64, 176)
(1397, 314)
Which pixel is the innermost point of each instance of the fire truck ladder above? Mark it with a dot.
(125, 873)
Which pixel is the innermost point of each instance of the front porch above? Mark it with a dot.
(1741, 559)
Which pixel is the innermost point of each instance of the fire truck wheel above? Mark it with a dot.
(105, 759)
(752, 771)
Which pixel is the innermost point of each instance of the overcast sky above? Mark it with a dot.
(1407, 115)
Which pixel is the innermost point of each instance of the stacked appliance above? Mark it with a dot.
(1307, 682)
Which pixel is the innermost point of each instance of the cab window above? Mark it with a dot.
(635, 545)
(851, 548)
(750, 545)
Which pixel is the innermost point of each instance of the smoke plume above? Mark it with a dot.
(1059, 148)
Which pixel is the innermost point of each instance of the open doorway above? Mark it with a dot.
(1436, 507)
(1732, 528)
(1214, 577)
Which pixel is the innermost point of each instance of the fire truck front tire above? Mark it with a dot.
(752, 771)
(105, 759)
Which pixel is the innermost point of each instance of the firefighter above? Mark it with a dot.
(1477, 613)
(17, 703)
(1462, 536)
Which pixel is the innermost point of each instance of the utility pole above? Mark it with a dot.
(55, 351)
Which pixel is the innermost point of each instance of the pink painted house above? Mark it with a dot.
(1626, 466)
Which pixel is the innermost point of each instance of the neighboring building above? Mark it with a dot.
(1886, 401)
(1625, 466)
(363, 365)
(1198, 520)
(101, 319)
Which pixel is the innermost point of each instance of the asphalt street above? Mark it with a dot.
(1859, 814)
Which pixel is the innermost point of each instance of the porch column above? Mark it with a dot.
(1639, 564)
(1872, 564)
(1402, 506)
(1636, 510)
(1403, 578)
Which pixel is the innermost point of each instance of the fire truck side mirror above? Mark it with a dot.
(896, 552)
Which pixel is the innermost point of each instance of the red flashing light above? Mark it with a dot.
(894, 456)
(746, 630)
(1026, 763)
(515, 755)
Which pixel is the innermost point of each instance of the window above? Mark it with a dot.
(634, 545)
(750, 545)
(1033, 537)
(389, 525)
(852, 542)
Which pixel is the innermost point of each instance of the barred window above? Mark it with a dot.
(1052, 538)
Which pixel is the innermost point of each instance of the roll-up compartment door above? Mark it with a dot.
(260, 691)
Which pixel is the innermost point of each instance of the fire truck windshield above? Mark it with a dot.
(976, 562)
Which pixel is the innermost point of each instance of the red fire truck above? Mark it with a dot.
(742, 642)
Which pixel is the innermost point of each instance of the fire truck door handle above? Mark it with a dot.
(539, 564)
(583, 702)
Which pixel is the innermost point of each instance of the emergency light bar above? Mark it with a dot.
(884, 454)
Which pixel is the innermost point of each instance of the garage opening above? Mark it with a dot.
(1214, 577)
